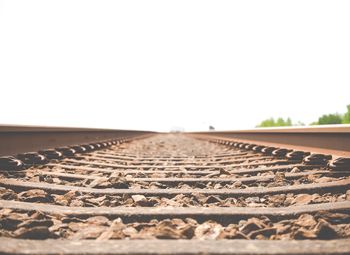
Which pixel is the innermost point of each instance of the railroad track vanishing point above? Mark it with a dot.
(284, 191)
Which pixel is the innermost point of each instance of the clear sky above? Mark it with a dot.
(155, 65)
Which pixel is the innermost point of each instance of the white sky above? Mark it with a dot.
(159, 64)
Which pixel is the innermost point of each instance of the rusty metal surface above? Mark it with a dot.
(19, 139)
(332, 139)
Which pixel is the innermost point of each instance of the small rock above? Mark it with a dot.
(302, 199)
(76, 226)
(324, 179)
(224, 172)
(325, 230)
(36, 223)
(140, 200)
(187, 231)
(34, 195)
(121, 185)
(114, 232)
(348, 194)
(232, 234)
(33, 233)
(281, 228)
(295, 170)
(77, 203)
(168, 231)
(237, 184)
(306, 220)
(191, 221)
(7, 194)
(129, 231)
(37, 215)
(71, 194)
(277, 200)
(255, 205)
(303, 233)
(89, 232)
(333, 217)
(280, 177)
(11, 221)
(98, 220)
(212, 199)
(265, 232)
(217, 186)
(97, 182)
(200, 185)
(252, 224)
(96, 201)
(56, 180)
(208, 230)
(5, 212)
(60, 200)
(252, 200)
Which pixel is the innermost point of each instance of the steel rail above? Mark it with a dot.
(20, 139)
(330, 139)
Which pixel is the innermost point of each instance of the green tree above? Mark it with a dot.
(346, 117)
(279, 122)
(330, 119)
(267, 123)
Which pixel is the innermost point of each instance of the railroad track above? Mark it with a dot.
(145, 193)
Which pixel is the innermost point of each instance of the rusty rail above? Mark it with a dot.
(19, 139)
(330, 139)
